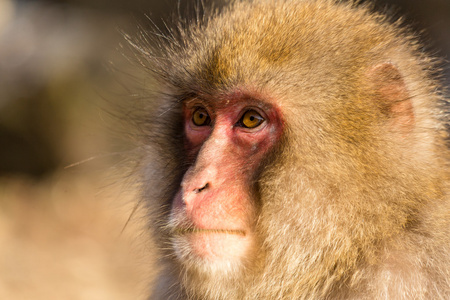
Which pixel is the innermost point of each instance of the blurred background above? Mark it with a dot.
(64, 205)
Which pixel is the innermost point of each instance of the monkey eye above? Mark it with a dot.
(201, 117)
(251, 119)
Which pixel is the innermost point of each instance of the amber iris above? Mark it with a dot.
(251, 119)
(201, 117)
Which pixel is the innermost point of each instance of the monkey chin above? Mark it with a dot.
(212, 250)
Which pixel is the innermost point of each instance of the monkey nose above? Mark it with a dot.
(190, 196)
(196, 191)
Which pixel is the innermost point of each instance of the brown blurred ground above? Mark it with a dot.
(62, 238)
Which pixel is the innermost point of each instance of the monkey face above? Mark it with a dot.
(213, 213)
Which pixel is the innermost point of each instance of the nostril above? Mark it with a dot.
(201, 189)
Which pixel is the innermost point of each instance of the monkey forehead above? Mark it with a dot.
(263, 41)
(237, 98)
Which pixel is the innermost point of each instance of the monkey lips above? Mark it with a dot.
(206, 237)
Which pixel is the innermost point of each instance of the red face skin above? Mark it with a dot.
(214, 211)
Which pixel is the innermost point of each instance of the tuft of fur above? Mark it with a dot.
(350, 208)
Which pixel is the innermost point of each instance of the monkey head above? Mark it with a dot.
(292, 150)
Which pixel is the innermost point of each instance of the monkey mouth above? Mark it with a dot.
(183, 231)
(210, 245)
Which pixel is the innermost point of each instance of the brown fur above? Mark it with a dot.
(353, 203)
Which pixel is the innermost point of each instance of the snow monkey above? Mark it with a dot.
(295, 149)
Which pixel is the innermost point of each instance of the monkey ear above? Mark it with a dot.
(392, 96)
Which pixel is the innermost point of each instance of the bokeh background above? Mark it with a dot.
(64, 199)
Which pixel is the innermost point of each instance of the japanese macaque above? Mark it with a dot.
(296, 151)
